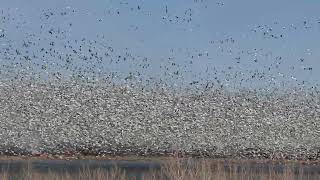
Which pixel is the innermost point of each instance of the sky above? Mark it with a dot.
(200, 36)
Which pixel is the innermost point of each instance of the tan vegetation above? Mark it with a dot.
(173, 169)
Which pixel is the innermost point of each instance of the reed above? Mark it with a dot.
(172, 169)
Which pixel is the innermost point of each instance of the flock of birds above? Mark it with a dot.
(87, 113)
(52, 54)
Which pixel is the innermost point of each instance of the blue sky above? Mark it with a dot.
(259, 34)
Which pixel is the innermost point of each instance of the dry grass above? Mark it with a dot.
(183, 169)
(84, 174)
(173, 169)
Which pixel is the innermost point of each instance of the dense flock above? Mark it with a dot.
(62, 95)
